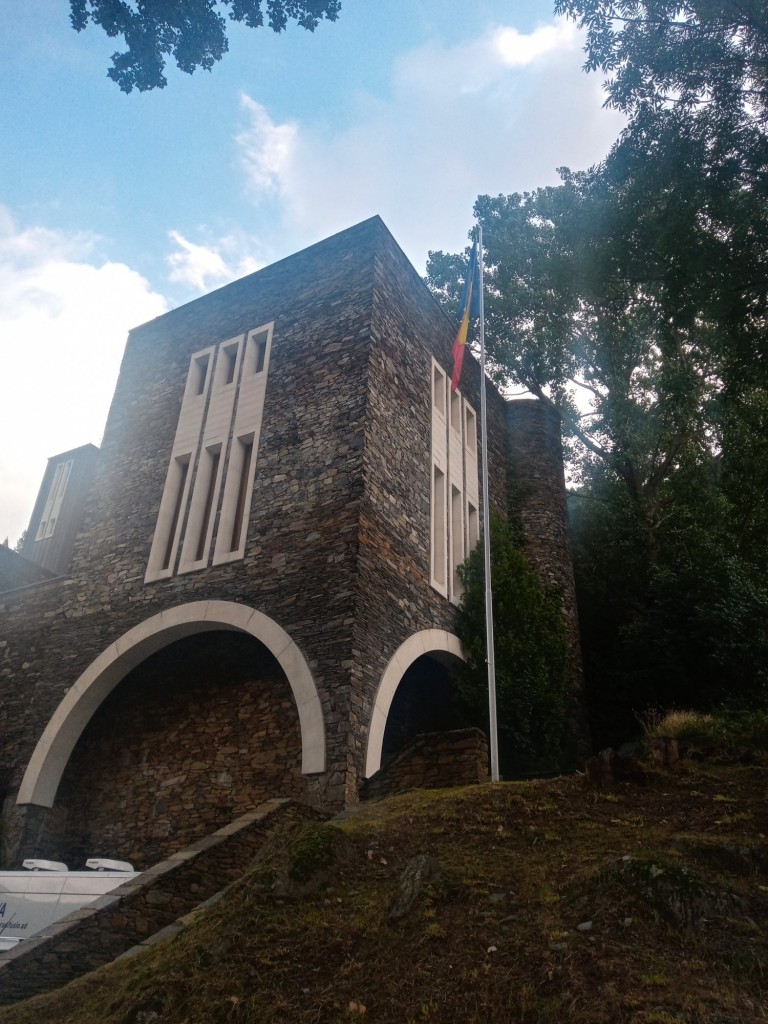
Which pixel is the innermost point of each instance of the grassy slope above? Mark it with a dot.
(494, 938)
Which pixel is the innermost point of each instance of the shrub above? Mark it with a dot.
(530, 652)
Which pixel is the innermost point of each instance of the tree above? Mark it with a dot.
(693, 55)
(193, 32)
(532, 690)
(640, 288)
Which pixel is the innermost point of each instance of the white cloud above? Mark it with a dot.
(217, 262)
(497, 113)
(518, 50)
(64, 318)
(266, 149)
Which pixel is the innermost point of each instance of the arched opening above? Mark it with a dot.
(196, 735)
(53, 750)
(412, 686)
(423, 702)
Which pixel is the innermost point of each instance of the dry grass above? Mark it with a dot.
(495, 938)
(726, 736)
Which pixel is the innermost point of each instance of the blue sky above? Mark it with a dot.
(114, 207)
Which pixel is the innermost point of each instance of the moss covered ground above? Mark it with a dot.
(553, 903)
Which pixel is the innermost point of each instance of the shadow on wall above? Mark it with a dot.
(423, 703)
(198, 734)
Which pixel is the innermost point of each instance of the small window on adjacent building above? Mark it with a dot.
(54, 499)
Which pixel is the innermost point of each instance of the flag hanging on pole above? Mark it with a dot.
(470, 306)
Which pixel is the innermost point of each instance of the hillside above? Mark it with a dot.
(550, 903)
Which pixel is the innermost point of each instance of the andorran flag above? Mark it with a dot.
(470, 306)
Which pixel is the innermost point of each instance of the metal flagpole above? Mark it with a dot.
(493, 728)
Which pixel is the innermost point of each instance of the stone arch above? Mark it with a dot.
(438, 643)
(50, 756)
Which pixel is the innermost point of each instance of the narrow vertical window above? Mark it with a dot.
(438, 526)
(471, 432)
(210, 493)
(181, 481)
(260, 341)
(473, 527)
(229, 356)
(200, 369)
(457, 538)
(438, 390)
(456, 412)
(246, 455)
(54, 500)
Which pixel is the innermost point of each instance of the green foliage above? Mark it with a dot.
(692, 55)
(312, 850)
(725, 735)
(530, 649)
(688, 628)
(632, 297)
(192, 32)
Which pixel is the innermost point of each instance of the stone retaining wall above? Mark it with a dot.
(97, 934)
(431, 761)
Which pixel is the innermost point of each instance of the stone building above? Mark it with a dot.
(265, 558)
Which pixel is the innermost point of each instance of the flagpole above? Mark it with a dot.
(490, 658)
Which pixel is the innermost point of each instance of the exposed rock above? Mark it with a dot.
(419, 872)
(677, 894)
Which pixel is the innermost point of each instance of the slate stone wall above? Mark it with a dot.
(97, 934)
(432, 761)
(395, 598)
(537, 481)
(337, 550)
(197, 735)
(17, 571)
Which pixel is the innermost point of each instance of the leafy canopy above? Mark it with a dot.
(532, 690)
(693, 55)
(193, 32)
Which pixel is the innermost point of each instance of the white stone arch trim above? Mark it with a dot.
(53, 750)
(435, 642)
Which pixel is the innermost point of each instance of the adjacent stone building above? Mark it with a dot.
(265, 555)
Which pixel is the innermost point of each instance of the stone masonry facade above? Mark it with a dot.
(336, 562)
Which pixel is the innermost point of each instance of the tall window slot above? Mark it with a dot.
(260, 341)
(182, 470)
(438, 390)
(457, 540)
(210, 493)
(471, 432)
(473, 527)
(456, 412)
(200, 373)
(54, 499)
(438, 526)
(246, 455)
(230, 362)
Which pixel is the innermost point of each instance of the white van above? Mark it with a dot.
(45, 891)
